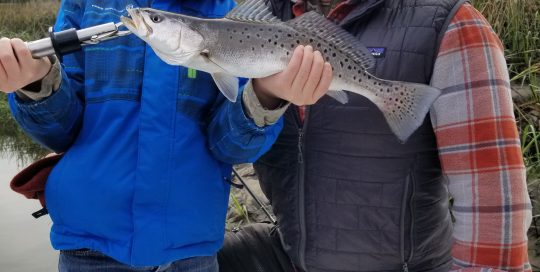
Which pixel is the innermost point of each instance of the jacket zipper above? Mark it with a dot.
(301, 189)
(402, 228)
(411, 207)
(405, 205)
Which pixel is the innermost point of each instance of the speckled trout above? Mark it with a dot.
(250, 42)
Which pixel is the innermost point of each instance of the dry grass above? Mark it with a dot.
(28, 20)
(518, 24)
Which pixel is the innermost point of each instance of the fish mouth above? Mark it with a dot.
(136, 23)
(129, 22)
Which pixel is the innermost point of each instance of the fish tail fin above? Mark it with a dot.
(405, 105)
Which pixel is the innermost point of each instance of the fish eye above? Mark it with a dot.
(156, 18)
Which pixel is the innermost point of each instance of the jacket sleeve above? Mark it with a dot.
(54, 121)
(235, 138)
(479, 148)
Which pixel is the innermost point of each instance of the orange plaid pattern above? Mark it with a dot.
(479, 148)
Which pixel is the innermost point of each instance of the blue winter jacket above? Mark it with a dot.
(148, 146)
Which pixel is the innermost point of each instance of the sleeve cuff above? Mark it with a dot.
(45, 87)
(254, 110)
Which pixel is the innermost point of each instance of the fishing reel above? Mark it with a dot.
(72, 40)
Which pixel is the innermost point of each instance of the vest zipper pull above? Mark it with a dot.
(405, 267)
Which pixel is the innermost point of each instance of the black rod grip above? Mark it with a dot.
(65, 42)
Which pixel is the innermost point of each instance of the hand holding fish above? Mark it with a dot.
(17, 67)
(305, 80)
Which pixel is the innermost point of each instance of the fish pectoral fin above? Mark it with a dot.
(340, 96)
(227, 84)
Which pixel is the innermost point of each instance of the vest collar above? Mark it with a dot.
(361, 11)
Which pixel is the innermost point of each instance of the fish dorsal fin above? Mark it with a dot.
(255, 11)
(314, 24)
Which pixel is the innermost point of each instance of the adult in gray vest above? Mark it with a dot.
(349, 196)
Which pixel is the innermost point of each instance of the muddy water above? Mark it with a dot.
(24, 241)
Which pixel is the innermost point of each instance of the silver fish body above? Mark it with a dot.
(251, 43)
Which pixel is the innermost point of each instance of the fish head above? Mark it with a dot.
(171, 36)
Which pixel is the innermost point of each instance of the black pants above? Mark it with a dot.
(254, 248)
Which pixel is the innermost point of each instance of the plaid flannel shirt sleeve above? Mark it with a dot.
(479, 148)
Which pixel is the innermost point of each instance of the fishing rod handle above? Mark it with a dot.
(67, 41)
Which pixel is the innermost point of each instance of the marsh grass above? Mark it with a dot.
(518, 24)
(27, 20)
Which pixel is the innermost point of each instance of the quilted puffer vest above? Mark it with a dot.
(349, 196)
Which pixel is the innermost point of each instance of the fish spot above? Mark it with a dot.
(275, 43)
(282, 45)
(248, 36)
(339, 76)
(292, 45)
(297, 42)
(349, 67)
(310, 40)
(288, 53)
(334, 55)
(325, 51)
(289, 35)
(346, 60)
(269, 40)
(240, 41)
(262, 45)
(276, 36)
